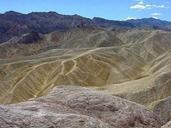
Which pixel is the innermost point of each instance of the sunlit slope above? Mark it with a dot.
(128, 69)
(147, 44)
(26, 79)
(154, 86)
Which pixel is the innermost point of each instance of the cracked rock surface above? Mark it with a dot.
(77, 107)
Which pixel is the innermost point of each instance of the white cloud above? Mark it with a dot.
(130, 18)
(155, 15)
(141, 5)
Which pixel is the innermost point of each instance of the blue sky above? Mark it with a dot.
(109, 9)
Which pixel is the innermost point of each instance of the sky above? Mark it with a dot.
(109, 9)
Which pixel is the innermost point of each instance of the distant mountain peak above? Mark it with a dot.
(12, 13)
(148, 19)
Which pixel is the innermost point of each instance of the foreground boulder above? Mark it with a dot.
(77, 107)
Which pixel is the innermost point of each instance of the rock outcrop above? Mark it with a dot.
(163, 109)
(77, 107)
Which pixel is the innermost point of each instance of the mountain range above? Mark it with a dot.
(15, 24)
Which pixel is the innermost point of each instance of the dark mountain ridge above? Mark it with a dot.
(15, 24)
(151, 22)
